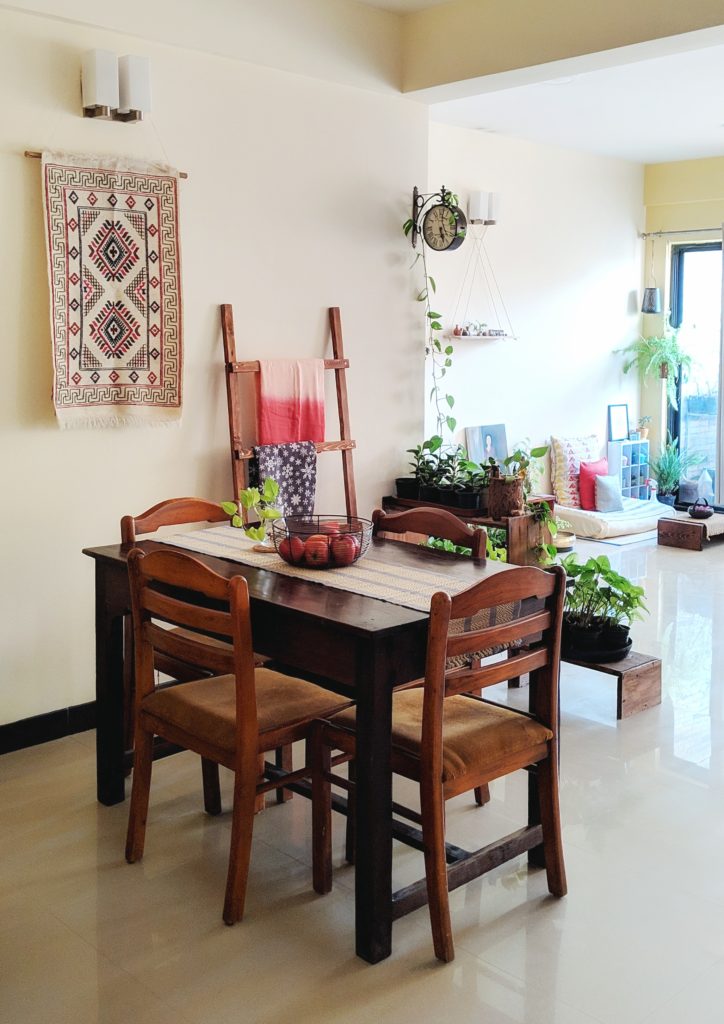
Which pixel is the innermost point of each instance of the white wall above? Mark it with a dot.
(296, 192)
(567, 258)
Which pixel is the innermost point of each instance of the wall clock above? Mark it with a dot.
(437, 218)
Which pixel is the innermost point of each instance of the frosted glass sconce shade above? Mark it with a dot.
(483, 208)
(652, 300)
(99, 83)
(134, 82)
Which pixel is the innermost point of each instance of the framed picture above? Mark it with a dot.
(488, 441)
(618, 423)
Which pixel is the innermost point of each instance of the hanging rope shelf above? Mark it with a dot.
(480, 277)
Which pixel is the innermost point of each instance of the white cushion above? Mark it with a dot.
(608, 494)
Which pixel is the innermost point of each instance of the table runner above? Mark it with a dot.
(405, 585)
(111, 228)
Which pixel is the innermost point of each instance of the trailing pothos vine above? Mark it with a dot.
(439, 353)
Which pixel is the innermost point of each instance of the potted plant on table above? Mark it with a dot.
(508, 492)
(668, 467)
(257, 502)
(423, 459)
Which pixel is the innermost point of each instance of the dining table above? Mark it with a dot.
(354, 644)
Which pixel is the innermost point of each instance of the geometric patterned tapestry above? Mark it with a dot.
(115, 290)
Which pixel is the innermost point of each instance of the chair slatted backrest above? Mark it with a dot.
(430, 522)
(539, 594)
(176, 589)
(241, 452)
(172, 512)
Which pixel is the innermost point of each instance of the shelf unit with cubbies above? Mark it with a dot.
(629, 461)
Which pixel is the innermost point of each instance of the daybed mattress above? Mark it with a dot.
(637, 517)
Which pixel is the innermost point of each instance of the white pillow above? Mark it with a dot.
(566, 456)
(608, 494)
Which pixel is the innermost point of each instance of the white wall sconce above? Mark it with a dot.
(483, 208)
(115, 88)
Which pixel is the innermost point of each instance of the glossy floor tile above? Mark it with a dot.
(639, 939)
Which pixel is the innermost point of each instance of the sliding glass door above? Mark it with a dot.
(696, 309)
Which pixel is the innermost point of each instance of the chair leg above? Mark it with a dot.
(138, 811)
(433, 834)
(242, 825)
(319, 758)
(283, 760)
(260, 802)
(212, 787)
(550, 817)
(350, 830)
(482, 795)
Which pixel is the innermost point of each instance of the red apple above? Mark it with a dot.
(330, 527)
(292, 550)
(316, 550)
(345, 549)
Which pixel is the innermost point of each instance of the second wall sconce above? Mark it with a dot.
(115, 88)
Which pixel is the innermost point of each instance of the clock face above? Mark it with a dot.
(444, 227)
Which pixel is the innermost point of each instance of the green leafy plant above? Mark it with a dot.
(668, 467)
(496, 545)
(644, 422)
(424, 457)
(542, 513)
(453, 473)
(440, 353)
(520, 462)
(259, 503)
(599, 595)
(658, 356)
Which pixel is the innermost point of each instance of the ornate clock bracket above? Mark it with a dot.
(420, 200)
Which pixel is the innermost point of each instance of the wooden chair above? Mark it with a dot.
(173, 512)
(430, 522)
(242, 452)
(229, 719)
(420, 523)
(449, 741)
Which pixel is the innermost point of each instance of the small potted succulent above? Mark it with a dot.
(644, 422)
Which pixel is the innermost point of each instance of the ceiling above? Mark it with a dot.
(649, 111)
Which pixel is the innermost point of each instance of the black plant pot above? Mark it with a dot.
(447, 496)
(407, 487)
(666, 499)
(614, 637)
(581, 639)
(430, 493)
(467, 499)
(483, 499)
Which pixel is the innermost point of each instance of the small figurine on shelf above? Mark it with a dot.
(457, 330)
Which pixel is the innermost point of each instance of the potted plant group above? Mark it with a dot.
(600, 606)
(668, 467)
(658, 356)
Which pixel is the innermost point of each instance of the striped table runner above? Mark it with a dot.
(405, 585)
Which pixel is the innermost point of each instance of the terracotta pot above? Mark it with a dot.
(505, 498)
(664, 371)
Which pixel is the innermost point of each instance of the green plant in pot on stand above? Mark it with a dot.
(508, 492)
(600, 606)
(658, 356)
(668, 467)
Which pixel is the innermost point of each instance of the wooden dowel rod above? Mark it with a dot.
(252, 365)
(35, 155)
(320, 446)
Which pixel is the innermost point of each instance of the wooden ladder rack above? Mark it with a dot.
(241, 453)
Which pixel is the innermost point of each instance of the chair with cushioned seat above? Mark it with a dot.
(449, 740)
(228, 719)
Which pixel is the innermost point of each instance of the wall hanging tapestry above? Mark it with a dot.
(115, 290)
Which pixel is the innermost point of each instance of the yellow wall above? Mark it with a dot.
(679, 196)
(466, 39)
(297, 189)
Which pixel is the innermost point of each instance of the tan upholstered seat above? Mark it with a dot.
(476, 736)
(206, 708)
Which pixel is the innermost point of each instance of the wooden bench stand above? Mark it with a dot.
(638, 681)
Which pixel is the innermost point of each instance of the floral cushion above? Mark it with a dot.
(566, 456)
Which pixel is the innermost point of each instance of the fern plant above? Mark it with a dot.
(658, 356)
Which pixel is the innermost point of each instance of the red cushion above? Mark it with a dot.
(587, 482)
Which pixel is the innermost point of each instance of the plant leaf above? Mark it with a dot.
(230, 507)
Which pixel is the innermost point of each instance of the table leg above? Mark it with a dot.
(109, 611)
(373, 839)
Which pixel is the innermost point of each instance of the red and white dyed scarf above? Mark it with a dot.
(290, 401)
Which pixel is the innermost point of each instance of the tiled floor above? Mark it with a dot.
(640, 937)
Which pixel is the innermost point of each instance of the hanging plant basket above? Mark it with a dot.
(664, 371)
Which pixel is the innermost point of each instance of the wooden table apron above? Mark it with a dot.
(354, 645)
